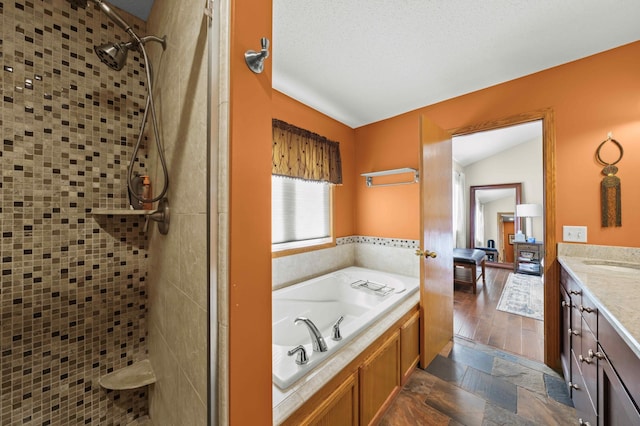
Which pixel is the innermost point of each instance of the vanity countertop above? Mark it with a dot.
(611, 277)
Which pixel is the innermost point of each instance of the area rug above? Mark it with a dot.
(523, 295)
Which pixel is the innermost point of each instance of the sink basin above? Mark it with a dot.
(614, 266)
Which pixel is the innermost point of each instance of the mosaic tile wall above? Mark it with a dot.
(72, 286)
(386, 242)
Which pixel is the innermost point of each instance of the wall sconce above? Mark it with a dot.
(528, 211)
(255, 60)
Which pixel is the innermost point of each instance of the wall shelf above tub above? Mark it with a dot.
(369, 176)
(133, 376)
(121, 212)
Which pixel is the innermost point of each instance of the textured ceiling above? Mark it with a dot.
(361, 61)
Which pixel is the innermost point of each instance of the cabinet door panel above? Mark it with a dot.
(621, 356)
(379, 378)
(615, 407)
(340, 408)
(409, 345)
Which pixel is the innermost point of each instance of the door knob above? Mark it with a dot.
(426, 253)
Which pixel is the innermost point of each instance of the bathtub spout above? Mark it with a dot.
(319, 345)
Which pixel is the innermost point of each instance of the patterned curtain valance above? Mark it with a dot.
(301, 154)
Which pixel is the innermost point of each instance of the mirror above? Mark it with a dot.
(492, 221)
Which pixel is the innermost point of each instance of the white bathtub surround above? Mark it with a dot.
(323, 300)
(303, 266)
(396, 260)
(384, 254)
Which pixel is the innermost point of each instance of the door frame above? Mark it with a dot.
(552, 285)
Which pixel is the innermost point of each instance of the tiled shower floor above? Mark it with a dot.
(474, 384)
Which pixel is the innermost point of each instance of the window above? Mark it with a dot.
(300, 213)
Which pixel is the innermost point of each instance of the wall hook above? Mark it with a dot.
(255, 60)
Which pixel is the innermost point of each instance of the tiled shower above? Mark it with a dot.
(74, 287)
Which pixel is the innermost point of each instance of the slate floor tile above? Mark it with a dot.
(472, 357)
(456, 389)
(519, 375)
(446, 369)
(557, 390)
(500, 392)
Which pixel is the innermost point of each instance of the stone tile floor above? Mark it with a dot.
(473, 384)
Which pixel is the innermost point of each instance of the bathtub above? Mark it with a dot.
(362, 296)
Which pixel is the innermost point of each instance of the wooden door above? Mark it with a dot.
(509, 229)
(436, 273)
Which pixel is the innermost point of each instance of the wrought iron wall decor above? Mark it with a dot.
(610, 195)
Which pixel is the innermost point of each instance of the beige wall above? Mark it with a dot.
(178, 274)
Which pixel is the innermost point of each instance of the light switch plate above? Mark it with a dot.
(574, 234)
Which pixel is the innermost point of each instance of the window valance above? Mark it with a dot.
(301, 154)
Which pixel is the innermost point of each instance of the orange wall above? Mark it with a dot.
(300, 115)
(589, 97)
(249, 220)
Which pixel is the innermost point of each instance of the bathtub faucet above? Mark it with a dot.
(319, 345)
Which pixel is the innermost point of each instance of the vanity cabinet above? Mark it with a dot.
(360, 393)
(602, 394)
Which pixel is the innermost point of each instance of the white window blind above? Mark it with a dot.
(300, 212)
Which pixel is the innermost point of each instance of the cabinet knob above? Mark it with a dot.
(586, 309)
(597, 354)
(583, 423)
(574, 332)
(573, 386)
(575, 292)
(587, 360)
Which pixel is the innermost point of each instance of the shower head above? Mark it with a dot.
(114, 55)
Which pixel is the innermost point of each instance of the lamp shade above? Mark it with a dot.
(528, 210)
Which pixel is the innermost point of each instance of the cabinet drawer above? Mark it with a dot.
(589, 312)
(587, 361)
(585, 408)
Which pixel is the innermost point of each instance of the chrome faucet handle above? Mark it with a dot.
(302, 354)
(336, 329)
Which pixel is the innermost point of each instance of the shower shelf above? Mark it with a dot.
(121, 212)
(134, 376)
